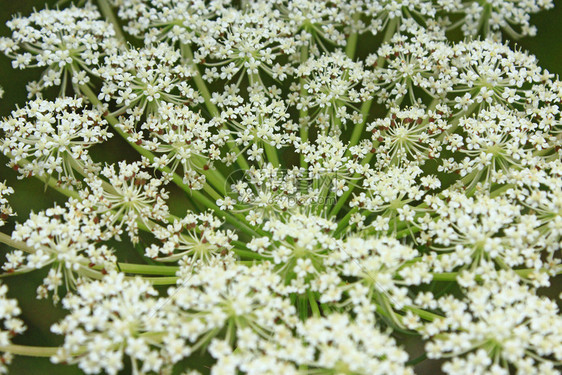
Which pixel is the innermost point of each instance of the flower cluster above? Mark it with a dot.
(63, 239)
(69, 43)
(288, 187)
(107, 320)
(528, 340)
(11, 326)
(5, 209)
(52, 138)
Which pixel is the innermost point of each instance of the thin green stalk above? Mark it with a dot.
(342, 224)
(417, 360)
(248, 254)
(49, 181)
(352, 39)
(6, 239)
(236, 220)
(484, 23)
(303, 113)
(358, 129)
(163, 280)
(30, 351)
(212, 192)
(313, 304)
(423, 314)
(407, 231)
(452, 276)
(390, 30)
(172, 280)
(217, 180)
(326, 308)
(107, 12)
(341, 201)
(302, 307)
(199, 82)
(145, 269)
(270, 151)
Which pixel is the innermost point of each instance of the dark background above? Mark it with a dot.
(31, 195)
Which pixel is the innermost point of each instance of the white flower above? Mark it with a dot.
(5, 209)
(53, 138)
(67, 42)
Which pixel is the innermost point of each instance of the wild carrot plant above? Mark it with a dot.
(314, 181)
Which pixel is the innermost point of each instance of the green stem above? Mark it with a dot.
(390, 30)
(4, 238)
(343, 222)
(302, 307)
(341, 201)
(237, 220)
(199, 82)
(500, 190)
(49, 181)
(405, 232)
(352, 40)
(217, 180)
(417, 360)
(159, 280)
(248, 254)
(30, 351)
(423, 314)
(358, 129)
(313, 304)
(484, 23)
(452, 276)
(107, 12)
(270, 151)
(164, 280)
(145, 269)
(303, 113)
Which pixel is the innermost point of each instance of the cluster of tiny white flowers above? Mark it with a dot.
(11, 326)
(65, 240)
(298, 248)
(141, 79)
(503, 323)
(332, 82)
(246, 42)
(167, 19)
(108, 319)
(472, 232)
(183, 141)
(381, 269)
(512, 17)
(130, 197)
(313, 180)
(5, 209)
(69, 43)
(49, 138)
(327, 345)
(196, 236)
